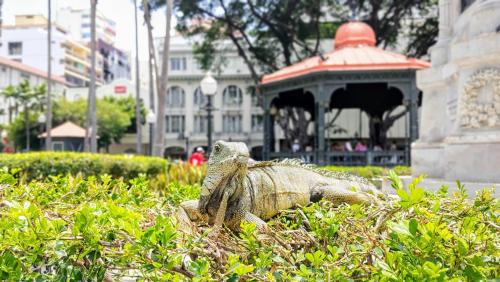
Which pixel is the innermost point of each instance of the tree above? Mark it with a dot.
(137, 85)
(21, 135)
(92, 115)
(29, 97)
(113, 116)
(48, 126)
(270, 34)
(161, 81)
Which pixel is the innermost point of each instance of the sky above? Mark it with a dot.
(120, 11)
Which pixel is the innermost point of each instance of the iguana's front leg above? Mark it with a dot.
(246, 216)
(188, 214)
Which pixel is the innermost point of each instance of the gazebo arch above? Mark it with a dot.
(346, 76)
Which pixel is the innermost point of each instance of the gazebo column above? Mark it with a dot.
(269, 136)
(319, 129)
(413, 111)
(410, 100)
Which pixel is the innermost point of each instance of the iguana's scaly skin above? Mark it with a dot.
(238, 188)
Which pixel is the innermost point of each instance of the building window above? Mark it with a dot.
(84, 25)
(25, 76)
(256, 100)
(200, 123)
(257, 123)
(85, 35)
(15, 48)
(232, 96)
(177, 64)
(466, 4)
(57, 146)
(175, 124)
(231, 123)
(199, 99)
(175, 97)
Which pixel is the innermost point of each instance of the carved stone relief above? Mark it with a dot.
(479, 104)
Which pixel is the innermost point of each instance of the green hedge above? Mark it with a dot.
(40, 165)
(370, 172)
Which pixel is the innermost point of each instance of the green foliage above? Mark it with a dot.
(42, 165)
(30, 98)
(84, 229)
(370, 172)
(270, 34)
(113, 117)
(17, 131)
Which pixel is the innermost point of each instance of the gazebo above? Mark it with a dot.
(355, 74)
(66, 137)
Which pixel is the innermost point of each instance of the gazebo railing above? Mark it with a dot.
(375, 158)
(308, 157)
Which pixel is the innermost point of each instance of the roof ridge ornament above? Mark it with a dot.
(354, 12)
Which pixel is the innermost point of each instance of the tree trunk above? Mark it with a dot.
(137, 88)
(152, 70)
(162, 86)
(48, 124)
(93, 108)
(27, 126)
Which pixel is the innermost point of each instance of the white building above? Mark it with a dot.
(13, 73)
(237, 118)
(77, 21)
(26, 42)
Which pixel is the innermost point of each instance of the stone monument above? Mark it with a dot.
(460, 119)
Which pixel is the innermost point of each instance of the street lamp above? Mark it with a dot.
(151, 120)
(209, 88)
(41, 121)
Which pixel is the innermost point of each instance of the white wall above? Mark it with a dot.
(34, 47)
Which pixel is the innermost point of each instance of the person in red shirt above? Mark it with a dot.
(197, 158)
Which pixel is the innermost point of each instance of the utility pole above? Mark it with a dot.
(48, 125)
(137, 87)
(93, 107)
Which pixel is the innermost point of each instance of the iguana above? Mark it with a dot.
(238, 188)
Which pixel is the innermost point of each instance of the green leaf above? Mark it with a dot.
(413, 226)
(463, 247)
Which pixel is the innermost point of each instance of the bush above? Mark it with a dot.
(370, 172)
(41, 165)
(76, 229)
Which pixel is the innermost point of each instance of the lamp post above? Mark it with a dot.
(41, 121)
(209, 88)
(151, 120)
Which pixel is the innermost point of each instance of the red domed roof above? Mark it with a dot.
(353, 34)
(355, 50)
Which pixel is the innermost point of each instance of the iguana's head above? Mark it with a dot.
(226, 160)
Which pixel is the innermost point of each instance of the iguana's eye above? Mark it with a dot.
(217, 148)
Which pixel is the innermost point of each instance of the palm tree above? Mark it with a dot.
(27, 96)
